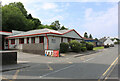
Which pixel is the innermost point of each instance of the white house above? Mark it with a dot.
(115, 40)
(108, 41)
(49, 39)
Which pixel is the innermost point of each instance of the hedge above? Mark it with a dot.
(89, 46)
(64, 47)
(83, 49)
(75, 46)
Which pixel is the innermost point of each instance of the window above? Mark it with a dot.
(41, 39)
(27, 40)
(33, 40)
(21, 41)
(12, 41)
(68, 39)
(6, 41)
(61, 39)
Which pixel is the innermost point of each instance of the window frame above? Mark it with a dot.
(12, 41)
(27, 40)
(21, 40)
(33, 40)
(41, 39)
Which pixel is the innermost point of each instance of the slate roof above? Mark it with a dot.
(102, 39)
(5, 33)
(42, 31)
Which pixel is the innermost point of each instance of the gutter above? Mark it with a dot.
(47, 40)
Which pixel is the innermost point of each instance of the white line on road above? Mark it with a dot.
(56, 71)
(88, 59)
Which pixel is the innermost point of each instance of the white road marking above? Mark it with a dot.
(50, 62)
(56, 71)
(88, 59)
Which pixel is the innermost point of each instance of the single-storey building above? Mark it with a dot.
(90, 40)
(41, 39)
(106, 41)
(3, 41)
(115, 41)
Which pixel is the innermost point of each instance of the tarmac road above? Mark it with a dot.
(96, 66)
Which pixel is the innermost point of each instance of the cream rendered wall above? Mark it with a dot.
(45, 42)
(55, 45)
(37, 39)
(65, 40)
(25, 40)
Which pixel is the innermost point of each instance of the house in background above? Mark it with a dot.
(105, 41)
(90, 40)
(115, 41)
(4, 41)
(41, 39)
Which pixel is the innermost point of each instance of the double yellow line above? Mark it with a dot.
(14, 77)
(109, 67)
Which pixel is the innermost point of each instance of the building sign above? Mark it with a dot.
(53, 53)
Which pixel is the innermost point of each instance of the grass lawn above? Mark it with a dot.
(97, 48)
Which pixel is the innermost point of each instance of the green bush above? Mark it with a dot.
(64, 47)
(83, 49)
(75, 46)
(116, 43)
(89, 46)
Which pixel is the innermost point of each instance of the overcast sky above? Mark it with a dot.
(97, 18)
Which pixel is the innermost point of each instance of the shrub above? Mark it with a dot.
(116, 43)
(64, 47)
(89, 46)
(106, 46)
(83, 49)
(75, 46)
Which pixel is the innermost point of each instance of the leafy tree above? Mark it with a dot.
(63, 28)
(13, 19)
(29, 16)
(53, 27)
(20, 6)
(90, 36)
(56, 24)
(85, 35)
(96, 39)
(0, 16)
(37, 22)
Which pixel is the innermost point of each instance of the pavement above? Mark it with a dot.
(14, 67)
(94, 66)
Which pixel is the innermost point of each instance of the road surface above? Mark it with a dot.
(96, 66)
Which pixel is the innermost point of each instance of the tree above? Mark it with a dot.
(13, 19)
(96, 39)
(29, 16)
(37, 22)
(63, 28)
(85, 35)
(56, 24)
(20, 6)
(90, 36)
(53, 27)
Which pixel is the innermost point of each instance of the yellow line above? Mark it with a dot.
(110, 66)
(15, 76)
(4, 78)
(110, 72)
(50, 68)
